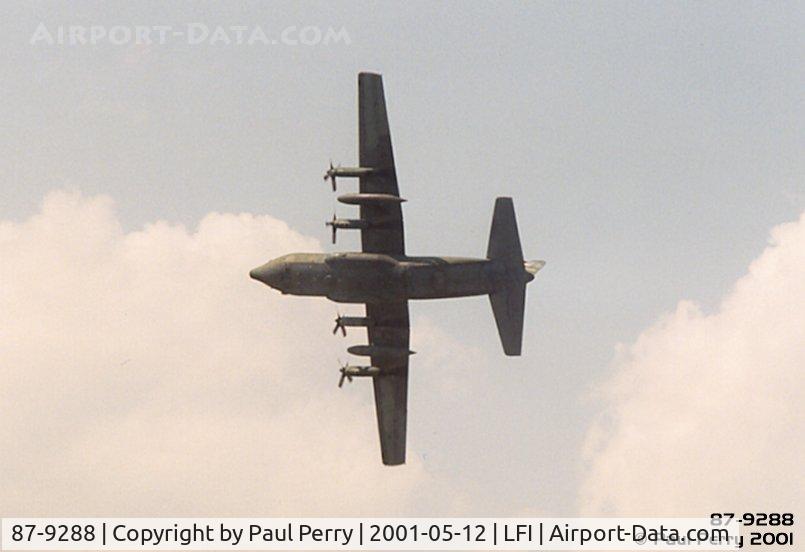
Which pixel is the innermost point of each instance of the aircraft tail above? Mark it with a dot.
(508, 303)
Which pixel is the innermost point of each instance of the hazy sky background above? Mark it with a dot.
(649, 148)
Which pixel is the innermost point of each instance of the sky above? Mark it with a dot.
(654, 154)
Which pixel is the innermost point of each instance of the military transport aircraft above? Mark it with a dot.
(384, 278)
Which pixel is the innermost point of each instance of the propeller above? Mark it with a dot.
(344, 375)
(338, 325)
(333, 226)
(330, 174)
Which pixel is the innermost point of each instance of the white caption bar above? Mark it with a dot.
(367, 534)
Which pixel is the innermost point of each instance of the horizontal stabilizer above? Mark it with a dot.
(508, 305)
(504, 240)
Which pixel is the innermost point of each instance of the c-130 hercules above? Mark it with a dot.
(384, 278)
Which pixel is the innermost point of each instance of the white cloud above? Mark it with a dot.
(144, 373)
(705, 412)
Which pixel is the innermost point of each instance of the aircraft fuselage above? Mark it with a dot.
(375, 278)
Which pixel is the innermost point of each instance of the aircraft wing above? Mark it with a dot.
(384, 233)
(390, 327)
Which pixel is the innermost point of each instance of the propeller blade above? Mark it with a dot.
(334, 231)
(339, 325)
(344, 374)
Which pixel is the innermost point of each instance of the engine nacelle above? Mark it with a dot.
(355, 321)
(343, 224)
(346, 224)
(355, 172)
(344, 322)
(361, 371)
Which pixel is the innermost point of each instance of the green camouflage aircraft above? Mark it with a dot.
(384, 278)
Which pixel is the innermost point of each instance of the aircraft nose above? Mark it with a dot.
(269, 273)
